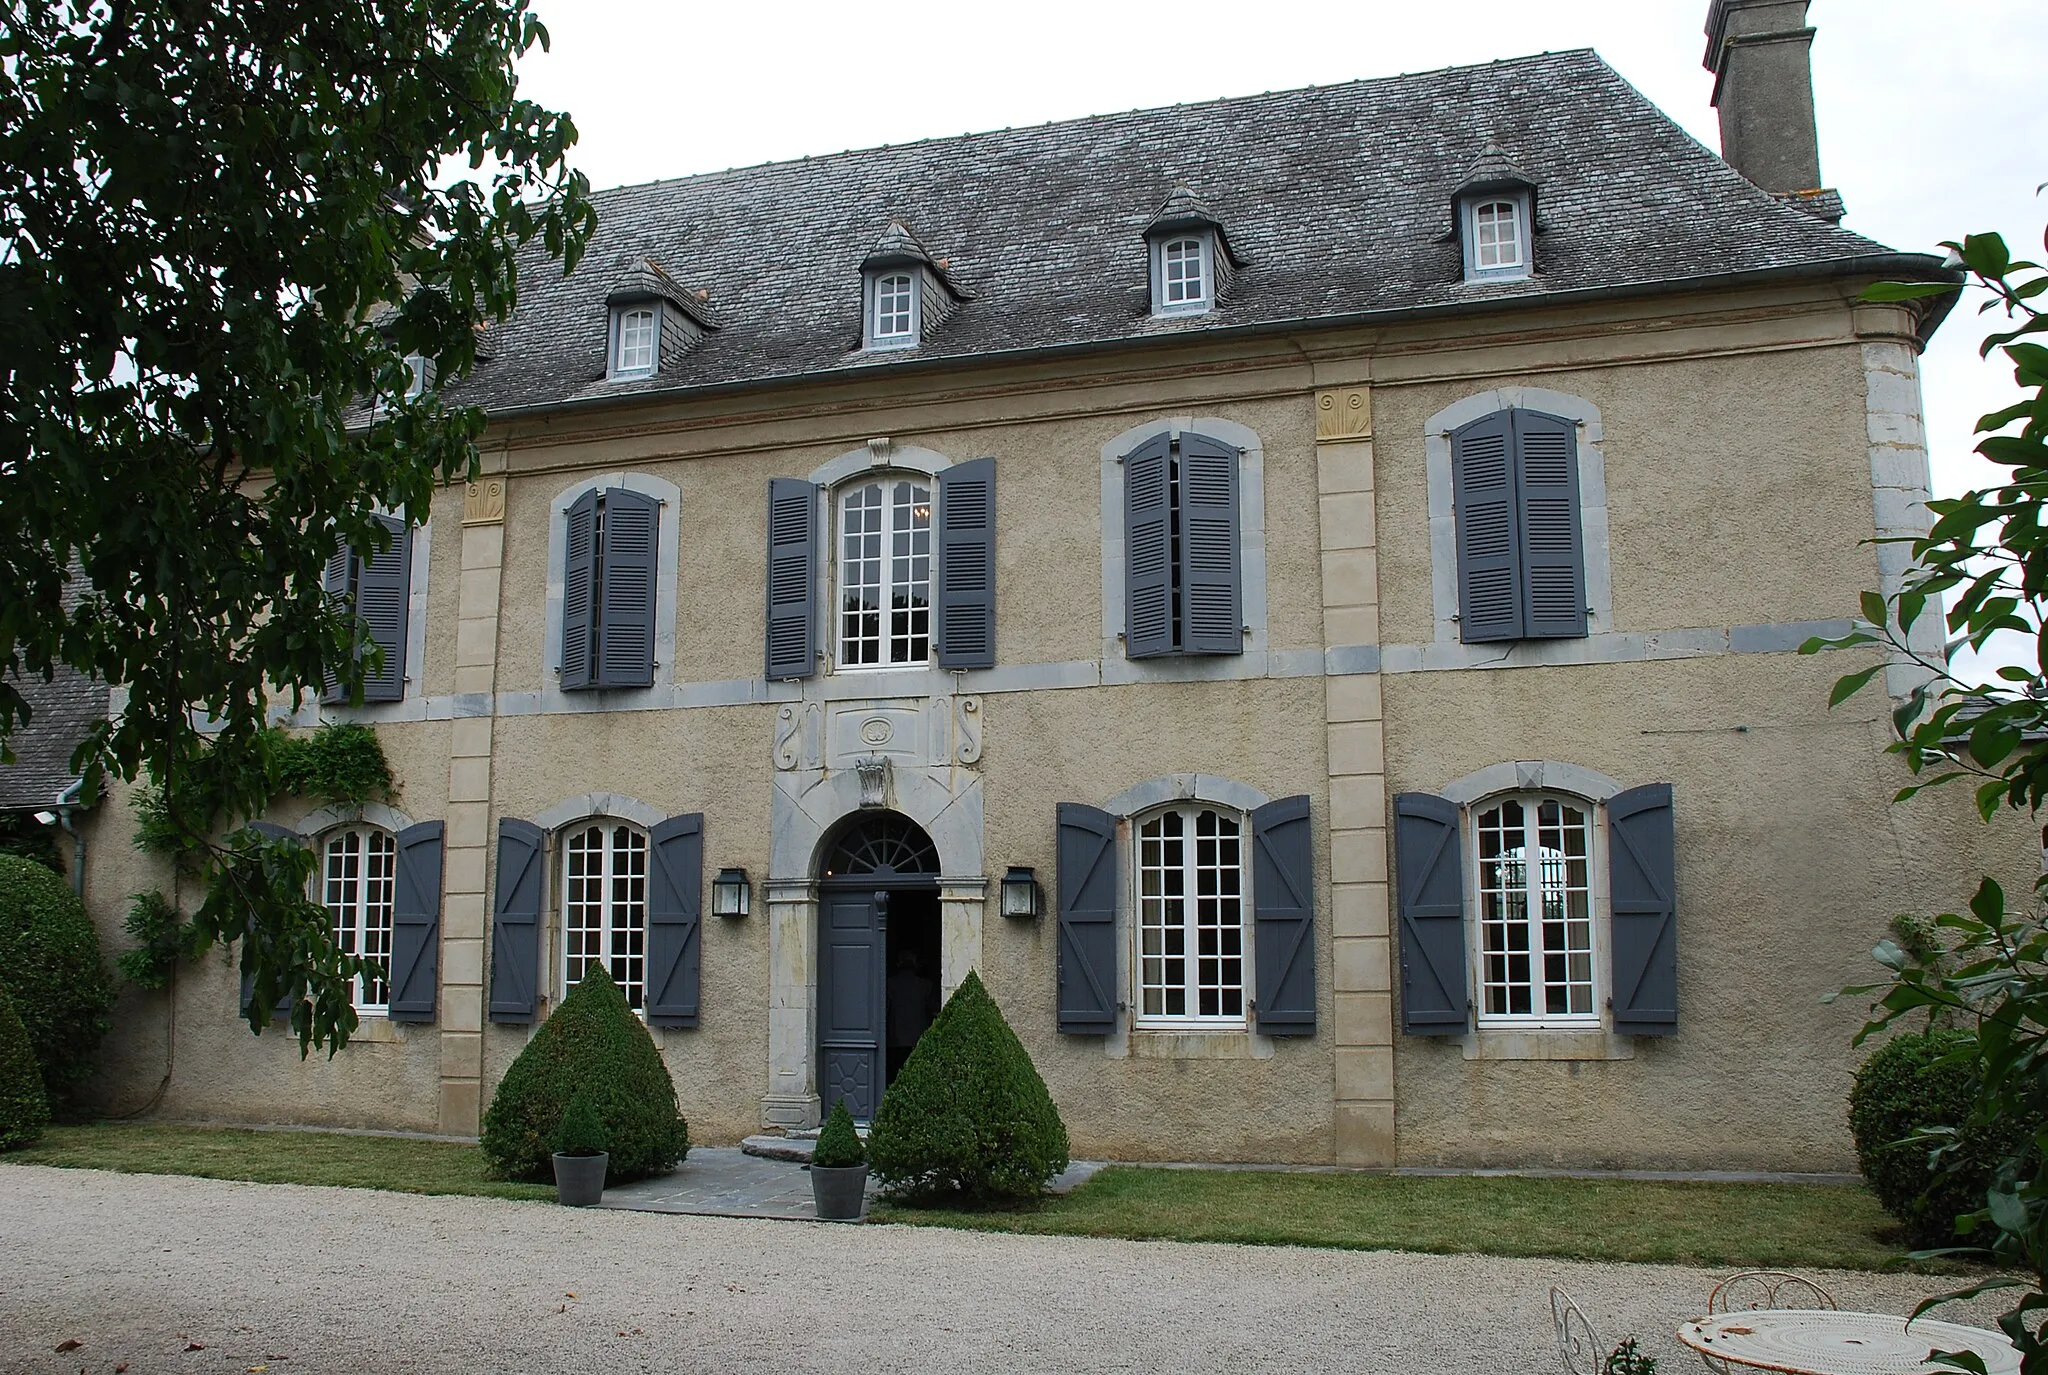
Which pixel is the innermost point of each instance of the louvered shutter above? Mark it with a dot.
(627, 547)
(967, 565)
(1553, 556)
(1149, 611)
(1429, 874)
(416, 924)
(792, 578)
(515, 921)
(579, 593)
(1284, 914)
(1641, 894)
(1212, 615)
(270, 830)
(334, 581)
(1086, 853)
(383, 588)
(675, 902)
(1489, 543)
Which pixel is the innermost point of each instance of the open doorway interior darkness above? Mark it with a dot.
(912, 997)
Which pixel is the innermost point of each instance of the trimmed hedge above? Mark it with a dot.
(595, 1046)
(1902, 1088)
(968, 1117)
(24, 1109)
(50, 964)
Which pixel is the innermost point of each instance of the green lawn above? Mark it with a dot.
(1724, 1225)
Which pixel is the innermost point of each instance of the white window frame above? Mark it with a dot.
(1191, 980)
(618, 372)
(610, 929)
(842, 498)
(361, 919)
(1205, 257)
(1596, 915)
(908, 337)
(419, 371)
(1524, 237)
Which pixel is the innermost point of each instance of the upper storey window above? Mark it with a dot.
(1190, 259)
(1494, 218)
(905, 292)
(885, 573)
(895, 322)
(653, 322)
(1184, 275)
(1497, 236)
(636, 339)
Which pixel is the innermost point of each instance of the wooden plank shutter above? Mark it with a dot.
(675, 904)
(382, 593)
(579, 593)
(515, 921)
(1429, 872)
(1641, 895)
(1284, 913)
(1484, 493)
(966, 601)
(1553, 553)
(792, 578)
(1212, 614)
(628, 545)
(334, 581)
(1150, 615)
(416, 924)
(270, 830)
(1086, 854)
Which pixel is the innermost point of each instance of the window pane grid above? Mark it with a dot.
(1535, 911)
(636, 342)
(359, 881)
(885, 572)
(1190, 917)
(1496, 235)
(892, 307)
(604, 908)
(1181, 270)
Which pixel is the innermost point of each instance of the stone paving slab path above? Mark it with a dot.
(723, 1181)
(167, 1273)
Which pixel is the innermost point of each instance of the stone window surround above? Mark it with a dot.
(878, 458)
(667, 555)
(312, 828)
(555, 821)
(1251, 524)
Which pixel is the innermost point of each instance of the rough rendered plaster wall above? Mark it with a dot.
(1724, 476)
(1790, 862)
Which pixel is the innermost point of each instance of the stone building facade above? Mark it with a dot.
(1347, 548)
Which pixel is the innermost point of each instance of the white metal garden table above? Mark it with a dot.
(1799, 1341)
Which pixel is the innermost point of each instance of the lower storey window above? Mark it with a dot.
(1191, 917)
(358, 878)
(1535, 912)
(604, 908)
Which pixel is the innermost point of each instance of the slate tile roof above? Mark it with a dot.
(1337, 199)
(65, 709)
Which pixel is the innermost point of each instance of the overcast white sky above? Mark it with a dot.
(1930, 122)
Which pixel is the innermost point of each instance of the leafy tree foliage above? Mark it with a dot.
(223, 229)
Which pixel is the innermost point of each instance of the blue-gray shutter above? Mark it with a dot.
(1553, 554)
(1284, 916)
(270, 830)
(1212, 610)
(515, 921)
(675, 904)
(1641, 894)
(1150, 616)
(1490, 597)
(966, 601)
(1086, 853)
(383, 589)
(334, 581)
(792, 578)
(579, 593)
(628, 545)
(1429, 878)
(416, 924)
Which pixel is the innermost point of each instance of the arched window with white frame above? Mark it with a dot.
(604, 906)
(357, 883)
(885, 572)
(1184, 274)
(1193, 896)
(1496, 235)
(895, 307)
(1533, 877)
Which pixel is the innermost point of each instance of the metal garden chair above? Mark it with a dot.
(1753, 1291)
(1577, 1343)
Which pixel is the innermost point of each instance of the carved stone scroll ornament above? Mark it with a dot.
(874, 780)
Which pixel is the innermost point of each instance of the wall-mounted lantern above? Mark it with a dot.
(731, 895)
(1020, 893)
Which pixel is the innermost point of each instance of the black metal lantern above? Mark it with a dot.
(731, 895)
(1020, 893)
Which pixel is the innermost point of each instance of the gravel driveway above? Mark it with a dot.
(137, 1268)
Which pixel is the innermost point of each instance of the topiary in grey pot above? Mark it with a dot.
(839, 1168)
(580, 1155)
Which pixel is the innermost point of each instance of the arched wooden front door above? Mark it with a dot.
(877, 940)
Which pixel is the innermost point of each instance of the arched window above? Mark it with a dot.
(357, 883)
(1193, 894)
(1533, 878)
(885, 573)
(1496, 236)
(895, 307)
(1183, 275)
(633, 349)
(604, 906)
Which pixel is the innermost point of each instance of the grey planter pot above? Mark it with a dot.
(839, 1193)
(579, 1179)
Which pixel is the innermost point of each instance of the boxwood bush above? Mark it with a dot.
(968, 1119)
(593, 1044)
(50, 964)
(1902, 1088)
(839, 1146)
(24, 1110)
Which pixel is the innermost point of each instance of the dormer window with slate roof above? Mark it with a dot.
(1191, 259)
(652, 322)
(905, 292)
(1494, 214)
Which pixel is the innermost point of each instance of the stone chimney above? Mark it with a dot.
(1760, 52)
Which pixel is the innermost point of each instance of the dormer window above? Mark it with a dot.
(419, 375)
(1184, 275)
(636, 340)
(1496, 235)
(1191, 260)
(895, 314)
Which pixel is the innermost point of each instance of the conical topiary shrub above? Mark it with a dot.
(968, 1118)
(592, 1043)
(24, 1111)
